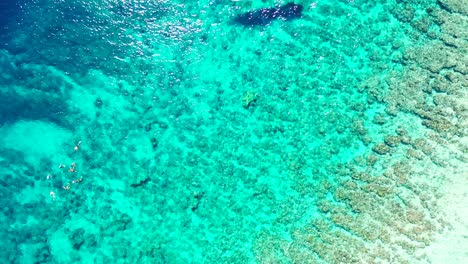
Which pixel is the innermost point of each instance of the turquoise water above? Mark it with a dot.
(163, 132)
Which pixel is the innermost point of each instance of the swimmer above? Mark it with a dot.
(48, 177)
(77, 180)
(77, 147)
(61, 166)
(52, 194)
(72, 167)
(66, 187)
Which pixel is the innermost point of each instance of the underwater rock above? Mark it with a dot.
(440, 86)
(458, 6)
(42, 254)
(360, 175)
(141, 183)
(379, 119)
(77, 238)
(98, 103)
(422, 145)
(154, 142)
(434, 57)
(454, 25)
(358, 127)
(392, 141)
(438, 124)
(324, 206)
(371, 159)
(119, 222)
(413, 153)
(248, 99)
(196, 200)
(404, 14)
(422, 24)
(405, 140)
(381, 149)
(265, 16)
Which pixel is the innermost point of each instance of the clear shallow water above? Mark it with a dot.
(202, 141)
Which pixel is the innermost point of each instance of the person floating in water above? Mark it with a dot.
(52, 194)
(77, 180)
(77, 146)
(67, 186)
(72, 167)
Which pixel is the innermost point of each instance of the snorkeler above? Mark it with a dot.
(52, 194)
(77, 180)
(72, 167)
(77, 147)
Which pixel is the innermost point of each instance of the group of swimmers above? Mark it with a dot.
(71, 170)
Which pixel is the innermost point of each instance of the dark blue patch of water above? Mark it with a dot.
(8, 12)
(33, 107)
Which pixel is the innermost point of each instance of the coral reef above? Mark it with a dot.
(122, 136)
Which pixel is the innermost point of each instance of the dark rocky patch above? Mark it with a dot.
(77, 238)
(140, 183)
(265, 16)
(154, 143)
(381, 149)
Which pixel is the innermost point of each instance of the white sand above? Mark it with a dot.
(451, 246)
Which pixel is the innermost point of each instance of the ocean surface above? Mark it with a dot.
(163, 131)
